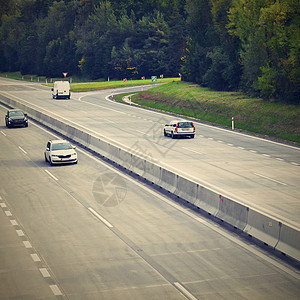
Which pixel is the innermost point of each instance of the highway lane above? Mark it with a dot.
(260, 173)
(87, 231)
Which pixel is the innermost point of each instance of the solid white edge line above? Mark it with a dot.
(260, 175)
(184, 291)
(226, 130)
(3, 133)
(198, 219)
(192, 150)
(51, 175)
(204, 222)
(100, 218)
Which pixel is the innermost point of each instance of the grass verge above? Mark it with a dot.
(78, 85)
(93, 86)
(275, 120)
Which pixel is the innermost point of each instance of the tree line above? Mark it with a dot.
(221, 44)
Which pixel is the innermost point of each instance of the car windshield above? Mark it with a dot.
(185, 125)
(61, 146)
(16, 114)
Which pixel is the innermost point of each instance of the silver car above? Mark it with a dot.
(178, 128)
(60, 152)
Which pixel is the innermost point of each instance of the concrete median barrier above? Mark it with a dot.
(125, 159)
(263, 227)
(280, 236)
(152, 172)
(289, 242)
(207, 200)
(113, 153)
(138, 165)
(232, 212)
(186, 189)
(168, 180)
(99, 146)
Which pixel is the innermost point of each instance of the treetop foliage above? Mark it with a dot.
(222, 44)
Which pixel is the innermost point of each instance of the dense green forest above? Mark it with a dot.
(252, 46)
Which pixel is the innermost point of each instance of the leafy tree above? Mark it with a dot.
(268, 32)
(202, 39)
(227, 52)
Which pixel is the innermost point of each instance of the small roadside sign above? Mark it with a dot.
(65, 74)
(154, 78)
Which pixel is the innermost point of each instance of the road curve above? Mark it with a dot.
(255, 172)
(87, 231)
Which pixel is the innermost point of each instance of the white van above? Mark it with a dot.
(61, 89)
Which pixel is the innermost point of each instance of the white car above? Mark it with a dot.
(59, 152)
(178, 128)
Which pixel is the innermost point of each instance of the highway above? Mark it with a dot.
(87, 231)
(256, 172)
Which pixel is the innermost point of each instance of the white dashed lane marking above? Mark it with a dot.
(14, 222)
(49, 173)
(22, 150)
(27, 244)
(250, 150)
(20, 232)
(35, 257)
(54, 288)
(56, 291)
(44, 272)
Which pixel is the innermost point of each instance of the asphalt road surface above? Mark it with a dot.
(256, 172)
(87, 231)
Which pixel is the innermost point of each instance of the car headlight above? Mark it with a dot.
(74, 154)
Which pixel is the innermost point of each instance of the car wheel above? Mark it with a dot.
(26, 125)
(165, 134)
(50, 161)
(46, 160)
(172, 135)
(192, 136)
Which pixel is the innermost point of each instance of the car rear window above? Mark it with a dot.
(185, 125)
